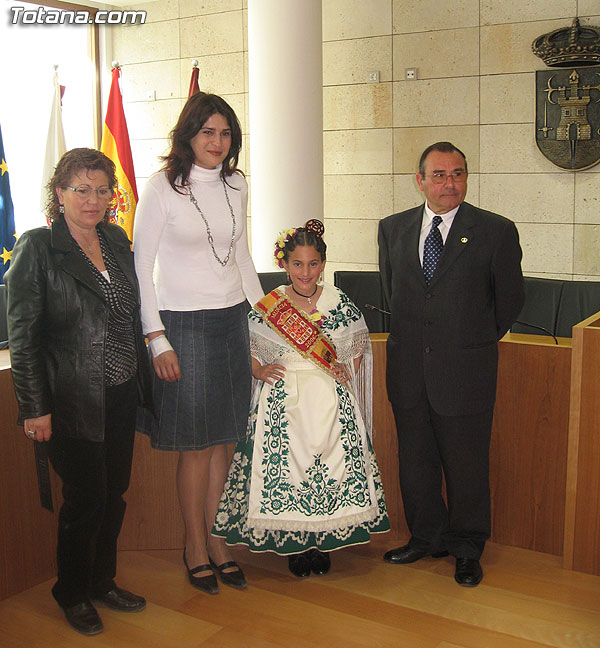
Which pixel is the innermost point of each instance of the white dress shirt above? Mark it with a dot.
(444, 226)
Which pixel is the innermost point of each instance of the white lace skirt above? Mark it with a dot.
(306, 475)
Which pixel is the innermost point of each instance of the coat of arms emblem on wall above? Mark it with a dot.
(567, 114)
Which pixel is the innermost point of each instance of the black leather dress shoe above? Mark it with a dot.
(299, 564)
(406, 554)
(84, 618)
(233, 578)
(320, 562)
(468, 572)
(122, 600)
(206, 583)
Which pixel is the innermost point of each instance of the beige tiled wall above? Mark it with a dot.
(474, 87)
(156, 59)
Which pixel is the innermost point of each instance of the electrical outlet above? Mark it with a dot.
(410, 74)
(373, 76)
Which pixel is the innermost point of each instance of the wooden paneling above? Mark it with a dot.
(153, 518)
(27, 531)
(528, 467)
(385, 441)
(529, 444)
(582, 532)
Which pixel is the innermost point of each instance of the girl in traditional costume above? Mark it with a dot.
(305, 482)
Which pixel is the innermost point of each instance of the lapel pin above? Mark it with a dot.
(464, 239)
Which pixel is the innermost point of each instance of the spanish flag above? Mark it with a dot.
(116, 146)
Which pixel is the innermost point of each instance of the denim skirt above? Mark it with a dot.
(209, 405)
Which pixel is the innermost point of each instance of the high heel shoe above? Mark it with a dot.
(233, 579)
(208, 583)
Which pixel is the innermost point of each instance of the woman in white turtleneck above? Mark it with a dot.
(195, 273)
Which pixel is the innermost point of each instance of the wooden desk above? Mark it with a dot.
(536, 503)
(529, 442)
(27, 531)
(582, 524)
(528, 448)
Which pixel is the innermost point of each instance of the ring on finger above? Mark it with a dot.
(31, 434)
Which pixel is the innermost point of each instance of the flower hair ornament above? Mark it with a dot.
(282, 239)
(313, 225)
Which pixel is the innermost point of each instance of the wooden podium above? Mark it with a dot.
(544, 464)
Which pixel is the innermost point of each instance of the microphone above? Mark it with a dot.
(374, 308)
(540, 328)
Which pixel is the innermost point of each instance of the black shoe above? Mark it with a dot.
(406, 554)
(468, 572)
(122, 600)
(84, 618)
(320, 562)
(233, 579)
(299, 564)
(207, 583)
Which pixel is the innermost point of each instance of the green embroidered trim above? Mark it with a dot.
(341, 316)
(275, 452)
(317, 494)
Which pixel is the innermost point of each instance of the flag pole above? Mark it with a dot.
(194, 87)
(56, 146)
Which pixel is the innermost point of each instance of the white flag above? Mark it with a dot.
(55, 144)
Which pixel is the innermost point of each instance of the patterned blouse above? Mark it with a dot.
(120, 353)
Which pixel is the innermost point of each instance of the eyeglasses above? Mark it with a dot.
(83, 191)
(439, 177)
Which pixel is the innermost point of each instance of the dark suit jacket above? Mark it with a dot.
(444, 337)
(57, 323)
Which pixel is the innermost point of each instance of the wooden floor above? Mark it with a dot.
(525, 600)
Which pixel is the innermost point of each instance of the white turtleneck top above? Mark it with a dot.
(175, 264)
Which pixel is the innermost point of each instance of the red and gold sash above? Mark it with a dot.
(291, 324)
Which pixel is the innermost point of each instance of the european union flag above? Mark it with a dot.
(7, 215)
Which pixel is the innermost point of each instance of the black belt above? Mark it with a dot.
(43, 474)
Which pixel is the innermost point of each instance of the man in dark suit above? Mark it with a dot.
(452, 277)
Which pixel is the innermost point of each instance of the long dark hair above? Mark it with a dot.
(197, 110)
(69, 165)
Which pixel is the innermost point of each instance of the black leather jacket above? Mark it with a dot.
(57, 324)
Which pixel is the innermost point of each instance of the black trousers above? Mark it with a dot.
(429, 443)
(95, 476)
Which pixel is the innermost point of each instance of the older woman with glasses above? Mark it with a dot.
(79, 363)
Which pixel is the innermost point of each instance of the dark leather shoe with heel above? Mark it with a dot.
(406, 554)
(122, 600)
(320, 562)
(299, 564)
(84, 618)
(206, 583)
(233, 578)
(468, 572)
